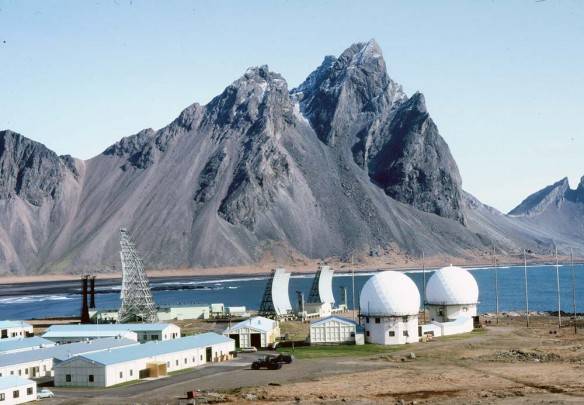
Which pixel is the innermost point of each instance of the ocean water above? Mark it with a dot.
(235, 291)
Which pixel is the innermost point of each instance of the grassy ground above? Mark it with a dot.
(295, 330)
(313, 352)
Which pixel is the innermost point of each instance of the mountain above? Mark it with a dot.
(345, 163)
(556, 209)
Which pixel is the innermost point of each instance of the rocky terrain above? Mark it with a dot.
(346, 163)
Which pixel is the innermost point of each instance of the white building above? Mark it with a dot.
(452, 295)
(182, 312)
(40, 362)
(390, 304)
(12, 329)
(142, 332)
(258, 332)
(149, 360)
(15, 345)
(17, 390)
(335, 330)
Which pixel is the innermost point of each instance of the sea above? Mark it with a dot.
(61, 299)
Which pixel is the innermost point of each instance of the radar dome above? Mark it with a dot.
(452, 286)
(389, 293)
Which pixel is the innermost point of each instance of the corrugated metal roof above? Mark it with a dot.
(63, 352)
(156, 348)
(331, 318)
(11, 381)
(13, 324)
(75, 330)
(89, 333)
(23, 343)
(257, 322)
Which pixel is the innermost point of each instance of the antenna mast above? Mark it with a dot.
(137, 301)
(558, 287)
(526, 294)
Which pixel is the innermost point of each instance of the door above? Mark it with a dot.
(256, 340)
(209, 354)
(235, 337)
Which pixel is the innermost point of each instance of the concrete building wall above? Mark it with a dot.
(446, 313)
(391, 330)
(19, 394)
(12, 332)
(36, 369)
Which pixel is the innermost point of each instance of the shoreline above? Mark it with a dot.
(263, 269)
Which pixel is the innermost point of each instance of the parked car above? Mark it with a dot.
(269, 362)
(45, 393)
(248, 349)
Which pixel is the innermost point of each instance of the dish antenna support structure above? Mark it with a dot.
(137, 301)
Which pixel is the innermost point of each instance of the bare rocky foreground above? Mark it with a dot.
(507, 363)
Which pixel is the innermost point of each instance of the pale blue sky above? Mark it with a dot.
(502, 79)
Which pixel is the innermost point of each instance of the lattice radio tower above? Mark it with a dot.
(137, 302)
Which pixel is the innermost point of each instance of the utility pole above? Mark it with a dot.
(353, 285)
(558, 288)
(526, 293)
(496, 287)
(573, 289)
(424, 276)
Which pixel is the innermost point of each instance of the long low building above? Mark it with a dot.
(12, 329)
(148, 360)
(15, 345)
(142, 332)
(336, 330)
(40, 362)
(17, 390)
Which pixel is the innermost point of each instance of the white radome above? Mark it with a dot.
(452, 286)
(389, 293)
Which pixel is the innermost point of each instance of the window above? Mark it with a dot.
(29, 391)
(2, 396)
(194, 359)
(131, 373)
(15, 394)
(406, 333)
(377, 320)
(91, 378)
(177, 362)
(121, 374)
(201, 357)
(391, 333)
(19, 372)
(154, 337)
(366, 319)
(367, 333)
(185, 360)
(68, 378)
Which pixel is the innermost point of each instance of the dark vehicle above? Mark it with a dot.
(286, 358)
(269, 362)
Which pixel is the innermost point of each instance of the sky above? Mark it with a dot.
(503, 80)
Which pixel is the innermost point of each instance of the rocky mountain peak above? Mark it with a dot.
(537, 202)
(342, 95)
(259, 95)
(29, 169)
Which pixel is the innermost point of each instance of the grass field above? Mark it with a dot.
(313, 352)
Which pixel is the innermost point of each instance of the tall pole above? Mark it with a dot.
(526, 294)
(424, 276)
(558, 288)
(496, 287)
(353, 285)
(573, 289)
